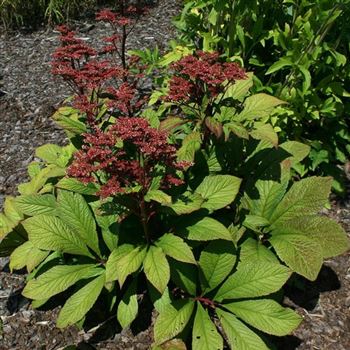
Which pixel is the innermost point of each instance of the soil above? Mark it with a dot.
(31, 96)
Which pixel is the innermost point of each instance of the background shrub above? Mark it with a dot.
(298, 51)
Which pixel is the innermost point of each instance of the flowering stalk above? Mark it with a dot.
(197, 81)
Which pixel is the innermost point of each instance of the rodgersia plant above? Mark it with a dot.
(188, 206)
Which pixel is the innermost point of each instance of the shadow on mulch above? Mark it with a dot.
(305, 293)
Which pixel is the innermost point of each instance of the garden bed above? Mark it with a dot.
(32, 95)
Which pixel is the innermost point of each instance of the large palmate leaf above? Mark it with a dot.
(123, 261)
(172, 320)
(266, 315)
(128, 306)
(218, 191)
(253, 280)
(51, 233)
(27, 255)
(300, 252)
(80, 303)
(205, 229)
(205, 335)
(216, 262)
(176, 248)
(58, 279)
(270, 194)
(73, 209)
(239, 336)
(254, 251)
(305, 197)
(328, 233)
(156, 268)
(258, 106)
(36, 204)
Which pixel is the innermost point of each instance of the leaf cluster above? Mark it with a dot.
(299, 53)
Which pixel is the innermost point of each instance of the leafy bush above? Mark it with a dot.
(184, 204)
(298, 51)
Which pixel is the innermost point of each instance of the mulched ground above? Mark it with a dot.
(32, 95)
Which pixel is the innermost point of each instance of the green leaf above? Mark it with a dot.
(14, 238)
(218, 191)
(34, 204)
(75, 185)
(49, 153)
(278, 65)
(298, 150)
(255, 222)
(38, 181)
(170, 123)
(238, 129)
(266, 315)
(128, 306)
(51, 233)
(239, 336)
(254, 251)
(306, 196)
(264, 132)
(12, 211)
(253, 280)
(68, 120)
(58, 279)
(160, 301)
(123, 261)
(216, 262)
(156, 268)
(190, 145)
(258, 106)
(158, 196)
(80, 303)
(205, 229)
(205, 335)
(328, 233)
(172, 320)
(184, 276)
(270, 194)
(26, 255)
(240, 88)
(187, 203)
(176, 248)
(73, 209)
(301, 253)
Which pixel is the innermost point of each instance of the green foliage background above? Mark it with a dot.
(299, 52)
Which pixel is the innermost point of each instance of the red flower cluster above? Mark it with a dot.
(129, 153)
(75, 62)
(123, 99)
(196, 75)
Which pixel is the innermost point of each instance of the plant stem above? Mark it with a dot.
(144, 219)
